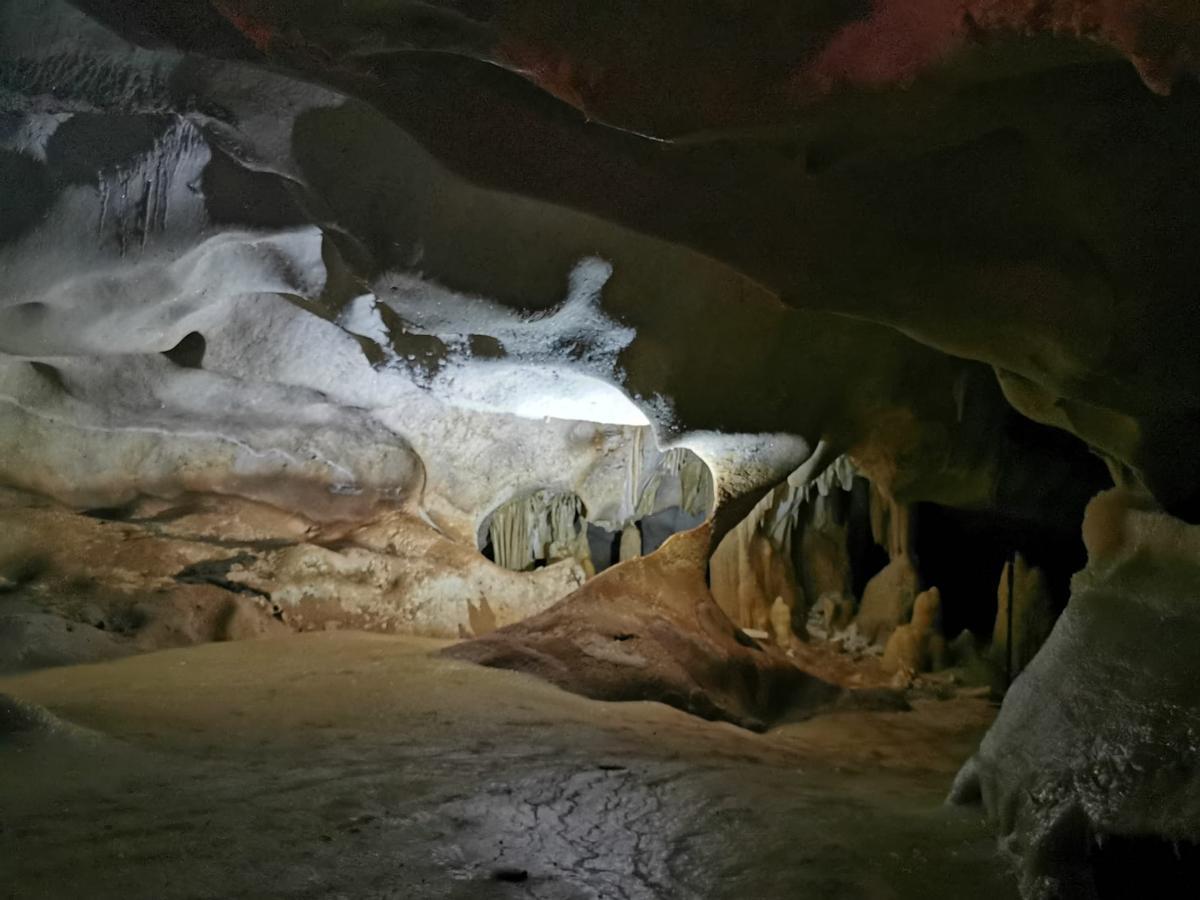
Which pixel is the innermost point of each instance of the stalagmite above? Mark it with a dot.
(919, 645)
(888, 599)
(1033, 616)
(631, 542)
(781, 624)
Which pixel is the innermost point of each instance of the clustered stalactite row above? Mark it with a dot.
(784, 574)
(547, 526)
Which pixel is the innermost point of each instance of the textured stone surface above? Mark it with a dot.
(81, 588)
(1098, 736)
(353, 267)
(648, 629)
(363, 765)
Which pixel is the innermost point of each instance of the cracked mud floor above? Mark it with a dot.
(358, 766)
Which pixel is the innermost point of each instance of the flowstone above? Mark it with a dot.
(648, 629)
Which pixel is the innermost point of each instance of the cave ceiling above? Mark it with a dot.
(883, 224)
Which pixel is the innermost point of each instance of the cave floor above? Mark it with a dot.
(358, 766)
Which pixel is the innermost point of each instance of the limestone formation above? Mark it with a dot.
(823, 562)
(888, 600)
(543, 526)
(1096, 741)
(836, 612)
(650, 630)
(79, 588)
(791, 546)
(631, 542)
(1032, 617)
(919, 645)
(781, 624)
(303, 306)
(748, 573)
(86, 588)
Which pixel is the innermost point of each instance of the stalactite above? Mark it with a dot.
(633, 478)
(755, 564)
(679, 471)
(135, 199)
(545, 525)
(891, 524)
(631, 542)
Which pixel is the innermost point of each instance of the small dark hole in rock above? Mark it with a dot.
(110, 513)
(50, 375)
(745, 640)
(511, 875)
(189, 352)
(623, 637)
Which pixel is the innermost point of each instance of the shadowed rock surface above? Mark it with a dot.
(1093, 766)
(649, 629)
(365, 766)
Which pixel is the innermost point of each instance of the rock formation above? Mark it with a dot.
(77, 588)
(791, 547)
(543, 526)
(649, 629)
(836, 612)
(1033, 616)
(919, 645)
(631, 543)
(888, 598)
(782, 632)
(1085, 749)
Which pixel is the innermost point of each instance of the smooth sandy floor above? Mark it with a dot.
(358, 766)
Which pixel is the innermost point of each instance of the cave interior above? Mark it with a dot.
(599, 451)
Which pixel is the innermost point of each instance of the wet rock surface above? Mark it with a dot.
(360, 766)
(1099, 738)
